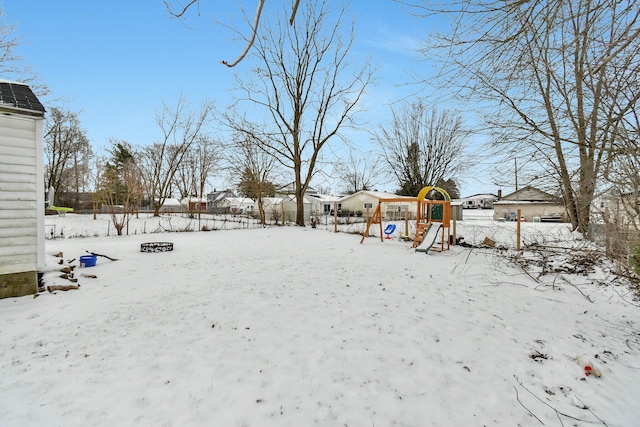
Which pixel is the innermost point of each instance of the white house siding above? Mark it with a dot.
(392, 210)
(238, 204)
(21, 195)
(290, 208)
(272, 207)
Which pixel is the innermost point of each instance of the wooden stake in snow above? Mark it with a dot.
(518, 232)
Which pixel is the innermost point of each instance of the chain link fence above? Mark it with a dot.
(621, 242)
(472, 232)
(616, 241)
(88, 225)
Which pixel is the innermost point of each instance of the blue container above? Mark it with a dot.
(88, 260)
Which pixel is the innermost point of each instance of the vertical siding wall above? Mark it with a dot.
(20, 158)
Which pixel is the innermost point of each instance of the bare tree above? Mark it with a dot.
(421, 146)
(67, 151)
(557, 77)
(307, 89)
(119, 185)
(181, 128)
(358, 172)
(197, 166)
(252, 169)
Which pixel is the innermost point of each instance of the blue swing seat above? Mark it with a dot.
(389, 230)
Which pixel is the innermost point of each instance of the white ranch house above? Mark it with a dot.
(238, 205)
(366, 202)
(322, 204)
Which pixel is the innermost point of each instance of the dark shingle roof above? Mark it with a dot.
(20, 96)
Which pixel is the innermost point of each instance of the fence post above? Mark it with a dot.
(454, 212)
(406, 221)
(518, 231)
(335, 217)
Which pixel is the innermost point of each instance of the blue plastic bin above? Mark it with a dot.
(88, 260)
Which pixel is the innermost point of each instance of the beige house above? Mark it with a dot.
(535, 205)
(366, 201)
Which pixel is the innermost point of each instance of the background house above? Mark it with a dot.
(171, 205)
(624, 209)
(290, 208)
(367, 201)
(290, 190)
(479, 201)
(322, 204)
(534, 205)
(238, 205)
(215, 200)
(194, 204)
(272, 207)
(21, 190)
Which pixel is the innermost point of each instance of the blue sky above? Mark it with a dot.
(116, 61)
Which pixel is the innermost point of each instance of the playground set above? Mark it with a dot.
(433, 219)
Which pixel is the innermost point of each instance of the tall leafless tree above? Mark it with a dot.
(196, 168)
(358, 172)
(67, 152)
(252, 169)
(307, 88)
(181, 128)
(421, 146)
(119, 184)
(556, 77)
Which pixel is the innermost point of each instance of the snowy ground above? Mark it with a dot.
(298, 327)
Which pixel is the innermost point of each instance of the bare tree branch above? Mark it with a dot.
(254, 32)
(254, 28)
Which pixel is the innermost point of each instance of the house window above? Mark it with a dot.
(368, 205)
(327, 208)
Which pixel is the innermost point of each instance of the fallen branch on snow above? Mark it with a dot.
(53, 288)
(105, 256)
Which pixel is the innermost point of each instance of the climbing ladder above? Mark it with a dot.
(422, 228)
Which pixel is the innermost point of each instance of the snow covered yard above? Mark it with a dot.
(298, 327)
